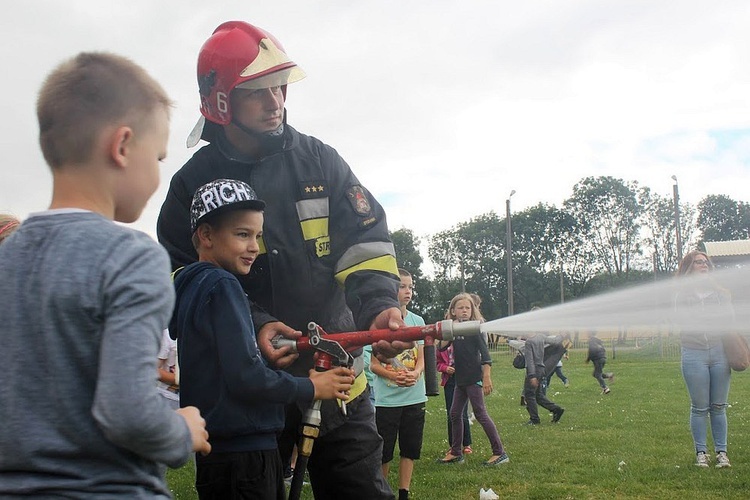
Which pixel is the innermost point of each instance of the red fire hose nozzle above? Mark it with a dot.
(338, 345)
(442, 330)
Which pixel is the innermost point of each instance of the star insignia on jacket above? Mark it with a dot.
(314, 189)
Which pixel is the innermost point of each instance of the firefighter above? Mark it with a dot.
(325, 251)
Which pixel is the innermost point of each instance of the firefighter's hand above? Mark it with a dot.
(389, 319)
(333, 383)
(282, 357)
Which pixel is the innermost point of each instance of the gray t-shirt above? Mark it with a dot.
(84, 303)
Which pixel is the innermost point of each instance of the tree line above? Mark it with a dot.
(609, 233)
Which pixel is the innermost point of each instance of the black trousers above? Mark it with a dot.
(535, 396)
(255, 475)
(346, 461)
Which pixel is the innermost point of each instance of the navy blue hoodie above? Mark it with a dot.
(221, 368)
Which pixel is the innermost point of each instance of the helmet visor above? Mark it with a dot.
(275, 79)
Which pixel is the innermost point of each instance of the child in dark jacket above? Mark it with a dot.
(472, 364)
(541, 354)
(222, 371)
(598, 355)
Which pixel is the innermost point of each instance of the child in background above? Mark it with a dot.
(86, 300)
(537, 356)
(8, 225)
(367, 356)
(598, 355)
(445, 365)
(473, 382)
(400, 397)
(167, 384)
(558, 371)
(221, 368)
(480, 317)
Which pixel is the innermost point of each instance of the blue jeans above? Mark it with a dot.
(558, 371)
(706, 375)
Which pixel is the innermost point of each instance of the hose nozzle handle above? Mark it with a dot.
(280, 341)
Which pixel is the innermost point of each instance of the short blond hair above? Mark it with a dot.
(87, 93)
(8, 224)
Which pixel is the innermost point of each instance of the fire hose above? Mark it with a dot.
(335, 350)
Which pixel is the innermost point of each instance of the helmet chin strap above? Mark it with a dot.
(270, 140)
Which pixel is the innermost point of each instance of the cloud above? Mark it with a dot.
(441, 108)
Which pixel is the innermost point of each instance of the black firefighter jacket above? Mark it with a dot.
(326, 255)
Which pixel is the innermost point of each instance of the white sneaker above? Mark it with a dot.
(722, 460)
(701, 459)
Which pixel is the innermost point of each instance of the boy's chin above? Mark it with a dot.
(241, 270)
(127, 217)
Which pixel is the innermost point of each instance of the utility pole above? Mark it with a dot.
(509, 252)
(676, 193)
(463, 273)
(562, 286)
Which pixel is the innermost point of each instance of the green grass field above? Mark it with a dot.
(642, 424)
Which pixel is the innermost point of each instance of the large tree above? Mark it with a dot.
(470, 257)
(546, 256)
(720, 218)
(406, 244)
(607, 212)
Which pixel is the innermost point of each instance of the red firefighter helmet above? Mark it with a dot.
(239, 54)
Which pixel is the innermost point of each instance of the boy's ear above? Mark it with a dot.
(204, 235)
(121, 140)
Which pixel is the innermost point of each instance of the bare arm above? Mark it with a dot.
(487, 379)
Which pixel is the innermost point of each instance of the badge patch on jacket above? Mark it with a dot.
(313, 189)
(323, 246)
(358, 199)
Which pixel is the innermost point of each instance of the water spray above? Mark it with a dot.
(652, 307)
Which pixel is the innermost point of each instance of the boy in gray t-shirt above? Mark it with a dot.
(86, 300)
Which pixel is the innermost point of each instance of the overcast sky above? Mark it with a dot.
(440, 107)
